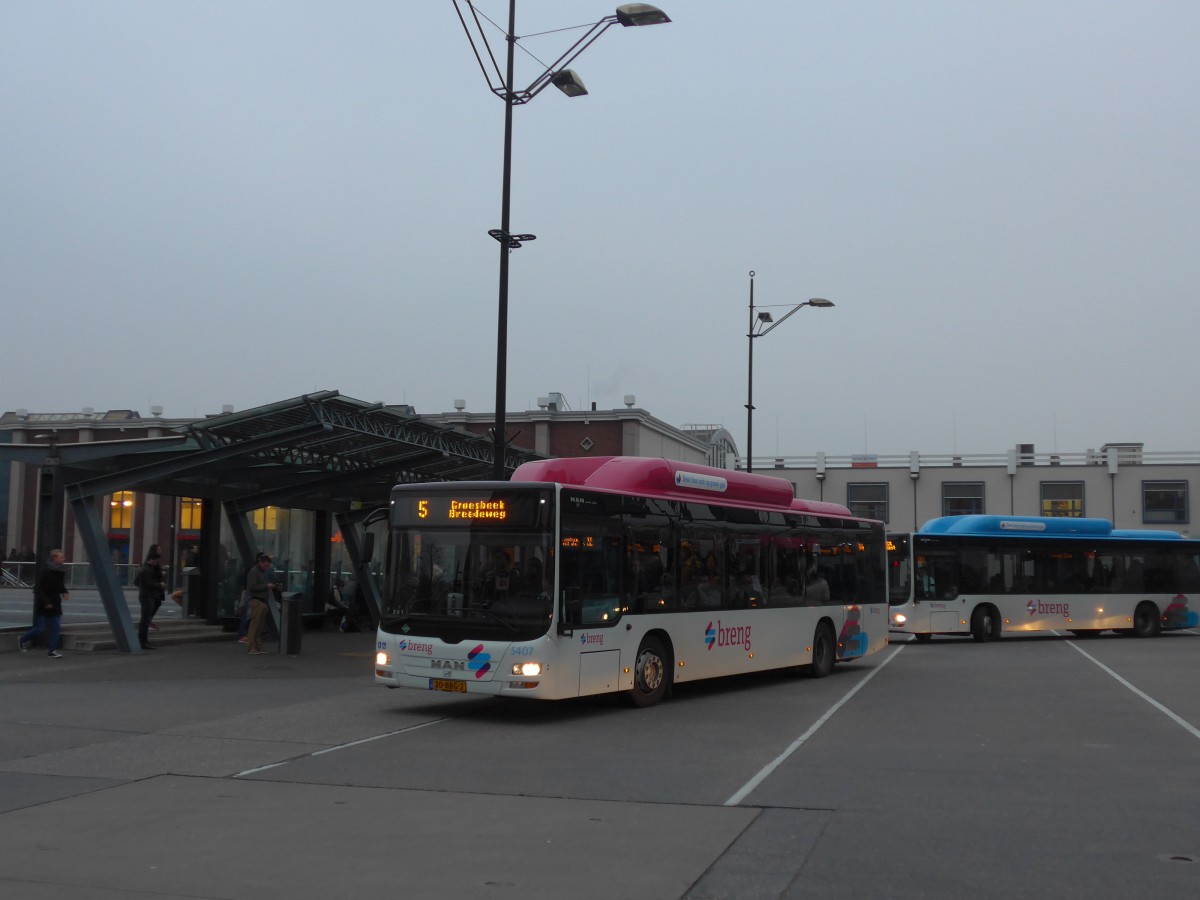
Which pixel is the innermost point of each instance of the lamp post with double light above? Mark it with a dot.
(756, 330)
(501, 84)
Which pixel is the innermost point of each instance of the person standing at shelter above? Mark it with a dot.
(259, 587)
(152, 588)
(49, 592)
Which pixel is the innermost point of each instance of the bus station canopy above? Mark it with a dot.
(320, 451)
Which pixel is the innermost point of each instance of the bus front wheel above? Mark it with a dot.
(985, 624)
(651, 673)
(822, 652)
(1146, 622)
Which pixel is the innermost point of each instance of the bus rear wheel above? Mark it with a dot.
(651, 673)
(985, 624)
(1146, 621)
(822, 652)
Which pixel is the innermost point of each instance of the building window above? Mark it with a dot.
(1165, 502)
(266, 519)
(870, 501)
(962, 498)
(190, 517)
(120, 510)
(1062, 498)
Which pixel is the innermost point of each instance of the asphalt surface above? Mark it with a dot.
(1035, 767)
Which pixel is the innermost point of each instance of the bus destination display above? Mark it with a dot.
(467, 510)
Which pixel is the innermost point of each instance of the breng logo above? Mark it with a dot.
(591, 638)
(727, 636)
(478, 661)
(415, 647)
(1038, 608)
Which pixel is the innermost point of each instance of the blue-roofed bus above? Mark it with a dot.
(622, 575)
(985, 575)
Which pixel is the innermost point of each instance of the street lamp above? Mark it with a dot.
(757, 321)
(557, 73)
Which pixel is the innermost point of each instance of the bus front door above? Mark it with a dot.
(937, 585)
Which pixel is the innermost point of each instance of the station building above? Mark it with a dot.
(1122, 482)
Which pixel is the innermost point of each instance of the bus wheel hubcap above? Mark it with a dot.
(650, 668)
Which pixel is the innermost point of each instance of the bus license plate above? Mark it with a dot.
(445, 684)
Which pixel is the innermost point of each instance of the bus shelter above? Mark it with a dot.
(332, 455)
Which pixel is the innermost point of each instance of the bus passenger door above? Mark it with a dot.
(937, 589)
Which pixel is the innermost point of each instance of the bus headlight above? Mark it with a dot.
(382, 659)
(899, 618)
(528, 669)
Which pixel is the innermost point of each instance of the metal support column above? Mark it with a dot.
(210, 568)
(322, 557)
(360, 558)
(91, 531)
(50, 509)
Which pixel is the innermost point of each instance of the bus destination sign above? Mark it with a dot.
(467, 509)
(470, 509)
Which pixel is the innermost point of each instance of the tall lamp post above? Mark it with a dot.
(756, 330)
(563, 78)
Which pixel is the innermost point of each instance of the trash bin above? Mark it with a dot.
(291, 624)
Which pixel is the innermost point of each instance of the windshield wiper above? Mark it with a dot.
(494, 615)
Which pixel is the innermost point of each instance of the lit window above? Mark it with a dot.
(266, 519)
(120, 510)
(190, 509)
(1062, 498)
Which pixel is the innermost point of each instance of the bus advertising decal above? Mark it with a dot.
(852, 642)
(727, 636)
(1177, 614)
(1038, 608)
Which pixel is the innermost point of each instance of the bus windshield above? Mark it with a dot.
(483, 573)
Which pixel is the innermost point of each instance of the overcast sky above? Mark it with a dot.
(207, 203)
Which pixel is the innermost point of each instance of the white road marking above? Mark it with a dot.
(368, 740)
(766, 771)
(1179, 720)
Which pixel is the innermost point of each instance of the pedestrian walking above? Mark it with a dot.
(152, 588)
(49, 592)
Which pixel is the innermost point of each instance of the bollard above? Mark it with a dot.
(192, 600)
(291, 624)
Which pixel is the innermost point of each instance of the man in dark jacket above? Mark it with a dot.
(152, 586)
(49, 592)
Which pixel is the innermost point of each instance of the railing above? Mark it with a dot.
(79, 575)
(1125, 457)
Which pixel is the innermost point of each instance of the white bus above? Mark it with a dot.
(619, 574)
(984, 575)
